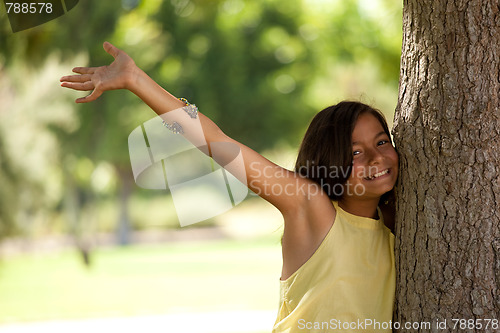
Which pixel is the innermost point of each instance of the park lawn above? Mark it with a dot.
(142, 279)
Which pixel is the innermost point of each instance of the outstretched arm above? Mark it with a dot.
(284, 189)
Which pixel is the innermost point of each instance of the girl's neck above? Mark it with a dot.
(364, 208)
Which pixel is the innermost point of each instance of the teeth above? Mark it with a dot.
(381, 173)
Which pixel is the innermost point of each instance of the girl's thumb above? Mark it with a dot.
(111, 49)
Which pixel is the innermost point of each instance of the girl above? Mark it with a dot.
(338, 264)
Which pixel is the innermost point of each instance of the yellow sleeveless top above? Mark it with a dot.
(347, 285)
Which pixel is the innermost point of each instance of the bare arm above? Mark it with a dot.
(284, 189)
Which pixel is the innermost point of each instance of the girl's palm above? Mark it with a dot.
(100, 79)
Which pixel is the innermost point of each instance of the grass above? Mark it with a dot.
(139, 280)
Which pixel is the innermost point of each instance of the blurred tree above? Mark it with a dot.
(8, 192)
(32, 48)
(244, 62)
(29, 154)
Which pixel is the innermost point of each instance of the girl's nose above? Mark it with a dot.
(375, 157)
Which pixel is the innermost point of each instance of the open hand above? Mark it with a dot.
(118, 75)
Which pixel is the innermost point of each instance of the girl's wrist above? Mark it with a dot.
(133, 79)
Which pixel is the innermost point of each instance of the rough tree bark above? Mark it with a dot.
(447, 132)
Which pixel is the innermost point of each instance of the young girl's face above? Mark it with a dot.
(375, 161)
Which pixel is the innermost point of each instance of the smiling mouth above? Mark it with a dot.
(379, 174)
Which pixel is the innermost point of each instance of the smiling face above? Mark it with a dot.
(375, 161)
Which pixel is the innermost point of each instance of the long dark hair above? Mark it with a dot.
(325, 155)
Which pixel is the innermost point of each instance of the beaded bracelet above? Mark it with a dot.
(190, 109)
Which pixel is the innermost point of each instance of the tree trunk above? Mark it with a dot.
(124, 224)
(447, 133)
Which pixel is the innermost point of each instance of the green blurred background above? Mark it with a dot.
(78, 238)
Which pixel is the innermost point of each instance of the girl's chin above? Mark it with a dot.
(375, 193)
(370, 188)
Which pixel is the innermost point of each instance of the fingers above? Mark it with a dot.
(85, 86)
(76, 78)
(83, 82)
(111, 49)
(77, 82)
(85, 70)
(92, 97)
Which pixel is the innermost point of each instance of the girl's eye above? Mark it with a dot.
(356, 152)
(382, 142)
